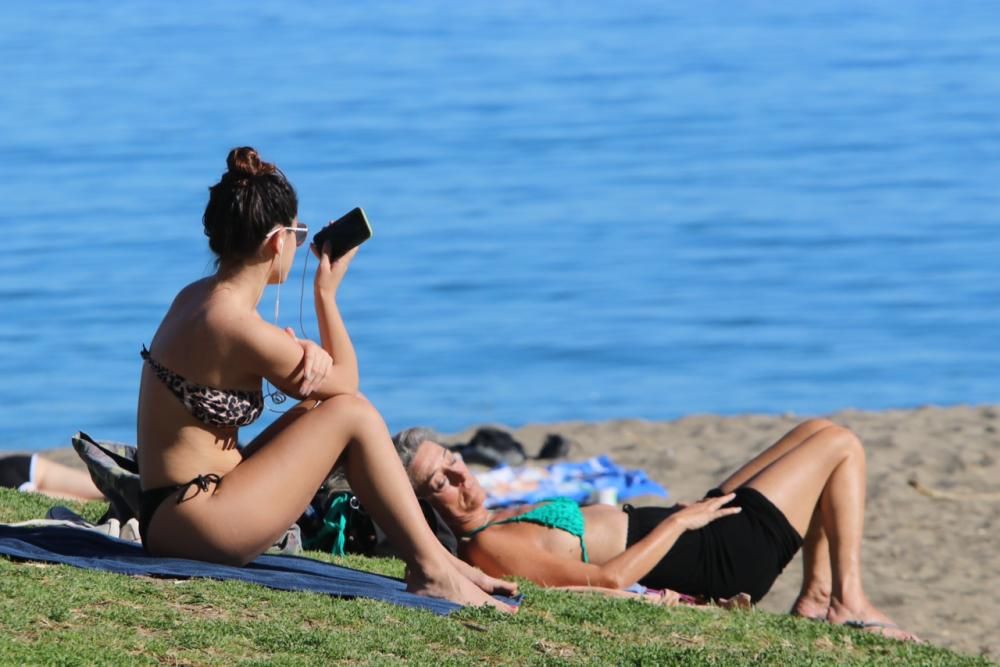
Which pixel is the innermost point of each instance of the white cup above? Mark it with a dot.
(608, 496)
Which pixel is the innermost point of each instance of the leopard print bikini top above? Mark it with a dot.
(215, 407)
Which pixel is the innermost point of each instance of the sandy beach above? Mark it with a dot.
(930, 560)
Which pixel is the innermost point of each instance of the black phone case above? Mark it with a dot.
(344, 233)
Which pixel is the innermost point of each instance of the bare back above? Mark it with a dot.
(194, 340)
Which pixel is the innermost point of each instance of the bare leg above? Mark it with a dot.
(814, 596)
(828, 470)
(789, 441)
(59, 481)
(813, 600)
(256, 501)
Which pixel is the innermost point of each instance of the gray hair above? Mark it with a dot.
(408, 441)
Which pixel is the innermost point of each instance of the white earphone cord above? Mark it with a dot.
(278, 397)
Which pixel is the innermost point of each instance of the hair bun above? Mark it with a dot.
(244, 162)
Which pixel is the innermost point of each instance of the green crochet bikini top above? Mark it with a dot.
(560, 513)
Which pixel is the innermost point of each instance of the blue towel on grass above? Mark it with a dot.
(92, 551)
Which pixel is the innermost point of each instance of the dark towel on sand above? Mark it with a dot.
(93, 551)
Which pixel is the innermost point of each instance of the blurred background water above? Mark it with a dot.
(581, 211)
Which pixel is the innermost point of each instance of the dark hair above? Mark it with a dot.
(248, 201)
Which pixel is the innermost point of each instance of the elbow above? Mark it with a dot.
(351, 382)
(334, 392)
(338, 384)
(611, 579)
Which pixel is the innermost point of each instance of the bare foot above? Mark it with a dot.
(448, 584)
(490, 584)
(483, 580)
(811, 605)
(868, 618)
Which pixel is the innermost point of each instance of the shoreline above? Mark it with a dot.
(929, 561)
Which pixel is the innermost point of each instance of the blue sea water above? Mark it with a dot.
(581, 210)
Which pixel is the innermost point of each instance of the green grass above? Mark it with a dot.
(64, 616)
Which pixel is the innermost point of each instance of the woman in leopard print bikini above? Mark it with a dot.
(203, 497)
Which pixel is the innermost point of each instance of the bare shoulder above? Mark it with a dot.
(192, 295)
(249, 340)
(233, 319)
(218, 323)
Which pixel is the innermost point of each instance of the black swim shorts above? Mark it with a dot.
(742, 553)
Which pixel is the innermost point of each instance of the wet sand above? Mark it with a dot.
(930, 561)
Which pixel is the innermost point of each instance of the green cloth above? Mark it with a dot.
(334, 525)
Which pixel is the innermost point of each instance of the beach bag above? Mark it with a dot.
(115, 472)
(346, 528)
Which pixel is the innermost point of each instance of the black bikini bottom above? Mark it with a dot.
(741, 553)
(151, 499)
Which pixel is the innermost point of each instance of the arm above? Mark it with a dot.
(332, 332)
(334, 338)
(299, 368)
(503, 554)
(276, 355)
(664, 597)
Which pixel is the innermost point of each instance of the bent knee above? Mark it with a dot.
(816, 425)
(342, 402)
(845, 440)
(354, 406)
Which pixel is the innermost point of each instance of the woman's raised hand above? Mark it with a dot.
(316, 363)
(329, 274)
(700, 514)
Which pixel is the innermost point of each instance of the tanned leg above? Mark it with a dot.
(789, 441)
(814, 596)
(59, 481)
(813, 600)
(828, 470)
(266, 493)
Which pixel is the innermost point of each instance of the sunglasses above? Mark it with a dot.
(301, 232)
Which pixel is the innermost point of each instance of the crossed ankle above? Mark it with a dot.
(816, 592)
(851, 606)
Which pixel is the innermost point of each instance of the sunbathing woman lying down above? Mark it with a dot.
(736, 540)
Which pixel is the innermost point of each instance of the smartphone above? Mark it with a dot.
(344, 233)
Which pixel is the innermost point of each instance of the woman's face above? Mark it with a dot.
(441, 476)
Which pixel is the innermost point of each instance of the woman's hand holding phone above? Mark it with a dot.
(340, 240)
(330, 274)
